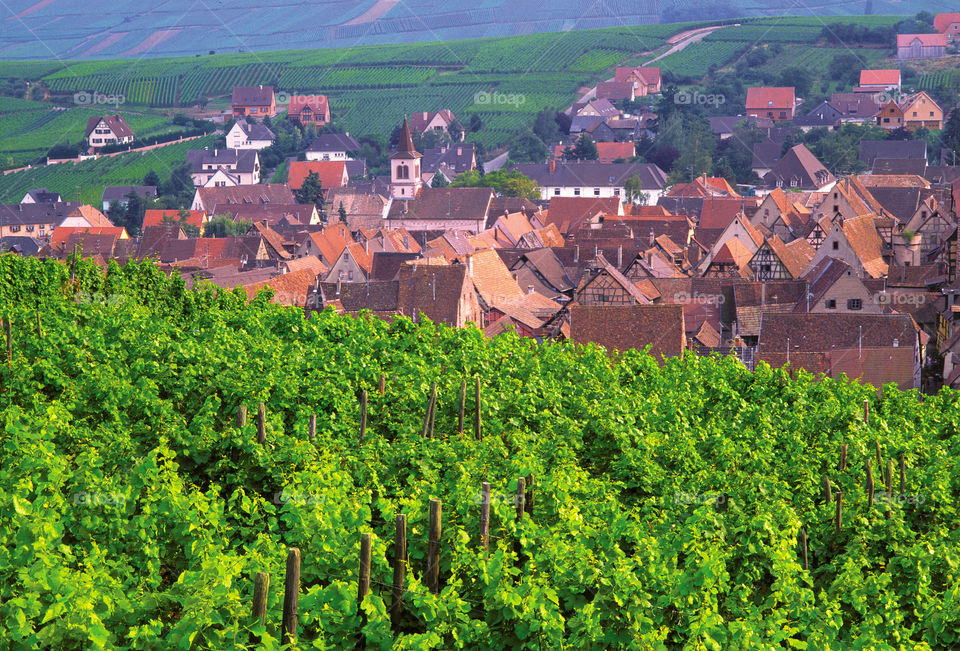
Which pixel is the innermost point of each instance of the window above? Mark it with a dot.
(616, 192)
(596, 192)
(14, 229)
(29, 229)
(350, 275)
(854, 304)
(556, 191)
(831, 303)
(576, 192)
(836, 246)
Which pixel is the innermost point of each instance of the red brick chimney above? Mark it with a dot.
(552, 165)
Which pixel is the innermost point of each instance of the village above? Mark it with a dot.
(850, 274)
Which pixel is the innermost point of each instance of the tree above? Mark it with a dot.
(183, 215)
(507, 184)
(311, 191)
(950, 138)
(528, 148)
(633, 188)
(545, 126)
(799, 78)
(439, 181)
(224, 226)
(456, 131)
(152, 178)
(342, 211)
(475, 124)
(585, 149)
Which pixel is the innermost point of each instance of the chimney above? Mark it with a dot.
(576, 253)
(653, 240)
(619, 256)
(529, 289)
(552, 166)
(469, 264)
(339, 280)
(459, 151)
(763, 293)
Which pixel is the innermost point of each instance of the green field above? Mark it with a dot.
(686, 503)
(85, 181)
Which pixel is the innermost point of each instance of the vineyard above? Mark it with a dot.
(629, 504)
(85, 181)
(942, 79)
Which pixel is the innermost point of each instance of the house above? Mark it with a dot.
(775, 260)
(353, 265)
(107, 130)
(568, 214)
(921, 46)
(824, 115)
(948, 24)
(309, 109)
(363, 210)
(450, 161)
(219, 168)
(42, 195)
(332, 146)
(332, 174)
(21, 245)
(874, 348)
(616, 91)
(603, 284)
(120, 194)
(442, 293)
(626, 327)
(856, 243)
(595, 108)
(274, 215)
(799, 169)
(776, 103)
(292, 288)
(439, 121)
(766, 155)
(254, 101)
(593, 179)
(856, 107)
(441, 209)
(608, 152)
(880, 80)
(209, 199)
(910, 112)
(249, 135)
(870, 150)
(724, 126)
(646, 80)
(327, 245)
(834, 288)
(197, 218)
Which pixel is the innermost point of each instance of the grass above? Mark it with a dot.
(87, 179)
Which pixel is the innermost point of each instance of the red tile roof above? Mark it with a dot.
(942, 21)
(155, 217)
(617, 327)
(333, 174)
(765, 97)
(926, 40)
(610, 151)
(879, 77)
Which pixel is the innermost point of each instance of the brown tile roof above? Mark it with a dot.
(866, 244)
(211, 198)
(363, 210)
(272, 213)
(620, 328)
(490, 276)
(332, 174)
(331, 242)
(795, 256)
(274, 241)
(155, 217)
(763, 98)
(382, 298)
(289, 289)
(753, 299)
(252, 96)
(309, 262)
(569, 213)
(718, 212)
(363, 257)
(826, 332)
(116, 123)
(445, 204)
(433, 290)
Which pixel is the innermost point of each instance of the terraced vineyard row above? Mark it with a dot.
(304, 79)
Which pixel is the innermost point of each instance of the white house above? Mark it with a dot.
(224, 167)
(332, 146)
(244, 135)
(108, 130)
(593, 179)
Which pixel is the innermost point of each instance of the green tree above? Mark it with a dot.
(342, 211)
(528, 148)
(584, 149)
(633, 188)
(456, 131)
(152, 178)
(799, 78)
(224, 226)
(311, 191)
(545, 126)
(507, 184)
(439, 181)
(475, 124)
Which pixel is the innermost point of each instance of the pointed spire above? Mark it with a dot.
(405, 148)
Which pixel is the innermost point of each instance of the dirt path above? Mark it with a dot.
(378, 9)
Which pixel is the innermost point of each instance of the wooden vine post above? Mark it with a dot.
(363, 582)
(843, 457)
(312, 429)
(363, 416)
(866, 411)
(291, 595)
(261, 588)
(485, 516)
(803, 544)
(8, 325)
(876, 445)
(463, 405)
(869, 486)
(399, 570)
(382, 385)
(39, 326)
(827, 493)
(839, 517)
(903, 475)
(261, 424)
(428, 417)
(521, 508)
(528, 496)
(241, 416)
(476, 420)
(433, 547)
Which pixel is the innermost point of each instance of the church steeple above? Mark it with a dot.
(405, 180)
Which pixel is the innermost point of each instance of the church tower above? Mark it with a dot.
(405, 181)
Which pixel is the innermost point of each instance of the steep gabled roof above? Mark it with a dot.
(866, 244)
(625, 327)
(771, 97)
(252, 95)
(879, 77)
(116, 123)
(333, 174)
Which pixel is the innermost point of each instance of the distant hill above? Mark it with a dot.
(48, 29)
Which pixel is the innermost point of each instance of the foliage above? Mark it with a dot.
(311, 191)
(506, 184)
(584, 149)
(225, 226)
(668, 499)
